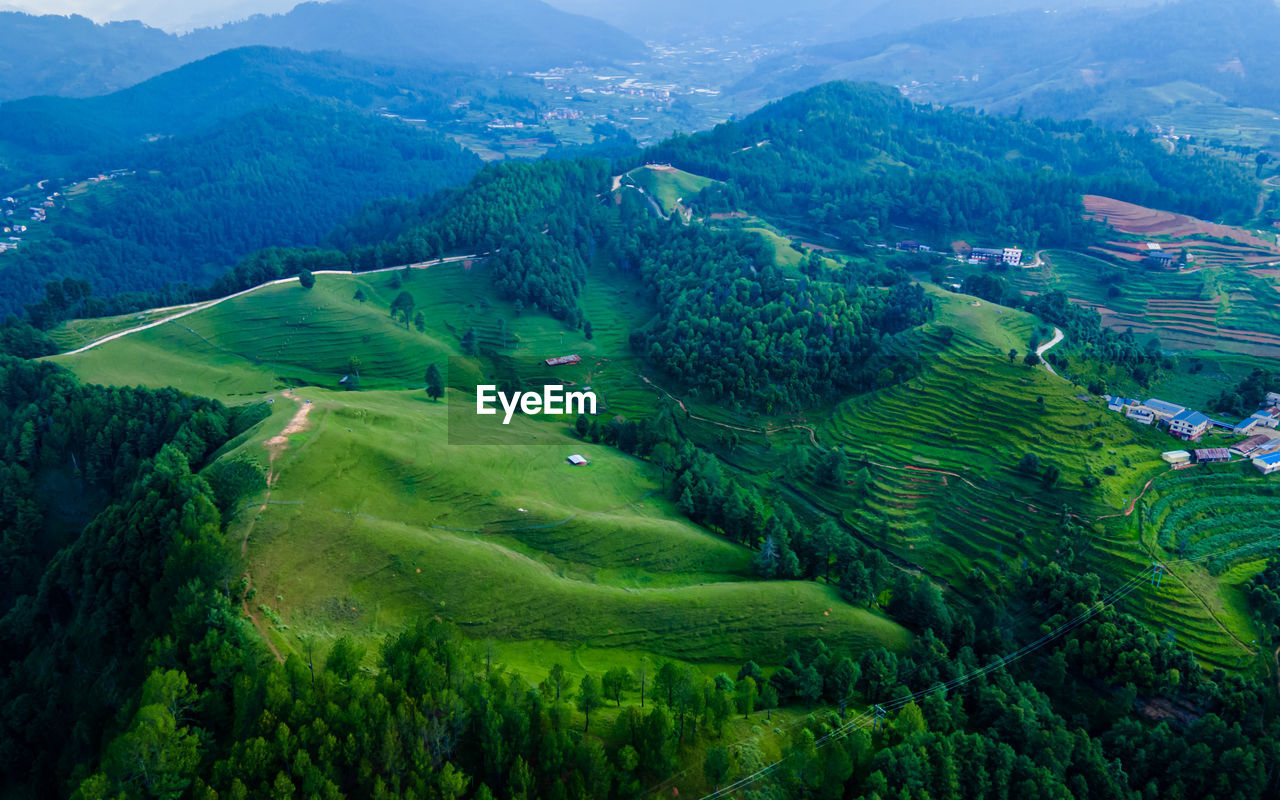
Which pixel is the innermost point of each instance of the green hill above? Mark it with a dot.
(943, 490)
(512, 543)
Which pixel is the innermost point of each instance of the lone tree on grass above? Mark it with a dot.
(469, 342)
(306, 279)
(403, 304)
(435, 383)
(615, 682)
(589, 697)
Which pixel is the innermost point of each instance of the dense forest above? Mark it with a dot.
(729, 321)
(278, 177)
(853, 160)
(132, 671)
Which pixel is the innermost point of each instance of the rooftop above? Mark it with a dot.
(1213, 453)
(1192, 418)
(1163, 406)
(1273, 458)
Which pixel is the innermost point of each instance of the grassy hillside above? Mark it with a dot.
(374, 519)
(379, 491)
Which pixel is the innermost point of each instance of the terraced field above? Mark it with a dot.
(500, 532)
(1220, 308)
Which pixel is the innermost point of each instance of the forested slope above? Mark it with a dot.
(856, 159)
(274, 176)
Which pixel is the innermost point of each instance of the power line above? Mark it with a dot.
(870, 716)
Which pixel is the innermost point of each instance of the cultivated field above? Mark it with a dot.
(1228, 309)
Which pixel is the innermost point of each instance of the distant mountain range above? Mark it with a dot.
(74, 57)
(769, 22)
(1210, 68)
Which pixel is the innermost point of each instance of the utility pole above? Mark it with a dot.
(1157, 572)
(880, 713)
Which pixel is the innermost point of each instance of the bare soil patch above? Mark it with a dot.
(1140, 220)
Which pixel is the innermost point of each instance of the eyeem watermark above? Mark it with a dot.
(553, 400)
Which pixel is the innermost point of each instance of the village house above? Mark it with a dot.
(1141, 414)
(1160, 259)
(1189, 425)
(577, 460)
(1013, 256)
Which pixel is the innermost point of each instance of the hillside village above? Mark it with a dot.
(1261, 429)
(38, 213)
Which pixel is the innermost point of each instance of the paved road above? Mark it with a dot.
(193, 308)
(1044, 348)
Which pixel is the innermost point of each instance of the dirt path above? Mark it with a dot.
(276, 446)
(257, 623)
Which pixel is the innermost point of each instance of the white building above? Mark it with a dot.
(1141, 414)
(1013, 256)
(1268, 464)
(1273, 399)
(1189, 425)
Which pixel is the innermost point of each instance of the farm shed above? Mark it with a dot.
(1177, 457)
(577, 460)
(561, 361)
(1213, 455)
(1268, 464)
(1249, 445)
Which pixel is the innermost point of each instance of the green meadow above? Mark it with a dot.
(374, 518)
(668, 186)
(594, 564)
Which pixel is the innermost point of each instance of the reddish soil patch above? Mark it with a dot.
(1203, 319)
(1143, 221)
(1171, 302)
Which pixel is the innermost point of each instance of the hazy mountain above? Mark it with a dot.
(228, 84)
(801, 21)
(72, 56)
(498, 33)
(1119, 67)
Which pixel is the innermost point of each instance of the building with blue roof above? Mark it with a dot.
(1268, 464)
(1164, 410)
(1189, 424)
